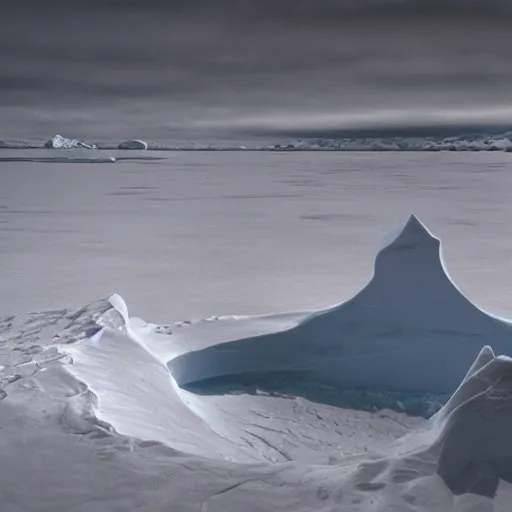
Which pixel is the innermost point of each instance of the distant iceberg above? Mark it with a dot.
(59, 142)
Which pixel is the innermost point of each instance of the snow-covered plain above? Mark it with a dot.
(92, 417)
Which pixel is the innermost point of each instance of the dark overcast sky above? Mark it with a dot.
(252, 66)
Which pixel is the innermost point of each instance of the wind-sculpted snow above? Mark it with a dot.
(92, 419)
(409, 330)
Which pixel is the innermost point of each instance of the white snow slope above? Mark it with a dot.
(92, 418)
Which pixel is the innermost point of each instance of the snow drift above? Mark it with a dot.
(466, 443)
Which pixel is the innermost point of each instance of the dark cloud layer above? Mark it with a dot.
(247, 63)
(275, 9)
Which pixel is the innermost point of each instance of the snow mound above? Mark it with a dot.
(133, 144)
(409, 330)
(60, 142)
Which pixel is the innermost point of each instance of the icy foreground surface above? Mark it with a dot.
(91, 419)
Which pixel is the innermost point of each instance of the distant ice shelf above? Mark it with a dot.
(476, 142)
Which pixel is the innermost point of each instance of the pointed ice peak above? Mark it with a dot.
(414, 224)
(413, 232)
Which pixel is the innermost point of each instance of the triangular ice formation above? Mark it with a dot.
(410, 329)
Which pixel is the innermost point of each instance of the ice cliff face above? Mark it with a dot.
(409, 330)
